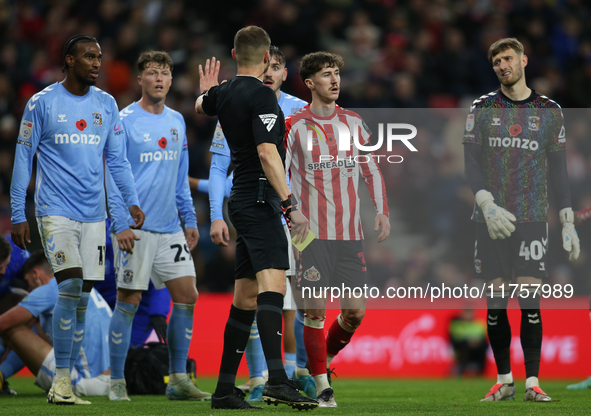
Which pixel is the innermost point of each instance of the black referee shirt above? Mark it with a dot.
(250, 115)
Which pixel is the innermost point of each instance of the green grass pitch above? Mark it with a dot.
(354, 397)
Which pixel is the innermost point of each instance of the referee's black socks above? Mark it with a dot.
(531, 333)
(499, 331)
(270, 324)
(235, 338)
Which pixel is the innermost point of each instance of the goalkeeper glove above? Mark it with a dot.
(498, 220)
(570, 239)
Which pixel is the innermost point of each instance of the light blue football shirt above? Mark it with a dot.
(69, 135)
(219, 146)
(94, 356)
(156, 147)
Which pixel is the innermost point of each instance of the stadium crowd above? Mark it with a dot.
(398, 54)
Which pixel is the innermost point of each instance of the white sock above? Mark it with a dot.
(505, 378)
(321, 382)
(256, 381)
(301, 371)
(62, 372)
(176, 377)
(117, 380)
(329, 358)
(532, 382)
(266, 374)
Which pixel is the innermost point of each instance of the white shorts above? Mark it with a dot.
(289, 301)
(157, 256)
(96, 386)
(68, 244)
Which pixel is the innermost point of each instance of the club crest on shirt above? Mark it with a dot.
(312, 274)
(97, 119)
(175, 135)
(60, 258)
(127, 276)
(533, 123)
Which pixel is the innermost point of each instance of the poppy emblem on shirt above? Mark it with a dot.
(515, 130)
(175, 135)
(330, 140)
(81, 124)
(162, 142)
(97, 119)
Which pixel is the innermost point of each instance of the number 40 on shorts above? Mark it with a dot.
(535, 251)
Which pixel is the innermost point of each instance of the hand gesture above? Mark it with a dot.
(219, 233)
(209, 77)
(20, 233)
(138, 217)
(126, 240)
(300, 226)
(384, 222)
(192, 237)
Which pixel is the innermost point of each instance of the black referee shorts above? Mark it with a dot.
(261, 243)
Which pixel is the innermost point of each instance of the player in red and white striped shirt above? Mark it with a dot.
(328, 179)
(325, 182)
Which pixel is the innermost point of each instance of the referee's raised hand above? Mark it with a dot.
(299, 226)
(209, 77)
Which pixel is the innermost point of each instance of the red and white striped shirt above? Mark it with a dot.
(327, 188)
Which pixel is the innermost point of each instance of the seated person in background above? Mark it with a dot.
(27, 330)
(468, 339)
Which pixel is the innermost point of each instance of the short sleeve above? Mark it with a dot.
(210, 100)
(268, 124)
(41, 299)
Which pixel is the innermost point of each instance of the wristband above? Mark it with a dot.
(287, 203)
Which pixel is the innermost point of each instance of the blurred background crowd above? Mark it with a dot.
(398, 54)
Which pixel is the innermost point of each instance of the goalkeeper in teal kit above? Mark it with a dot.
(514, 137)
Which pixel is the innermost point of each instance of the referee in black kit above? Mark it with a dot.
(254, 126)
